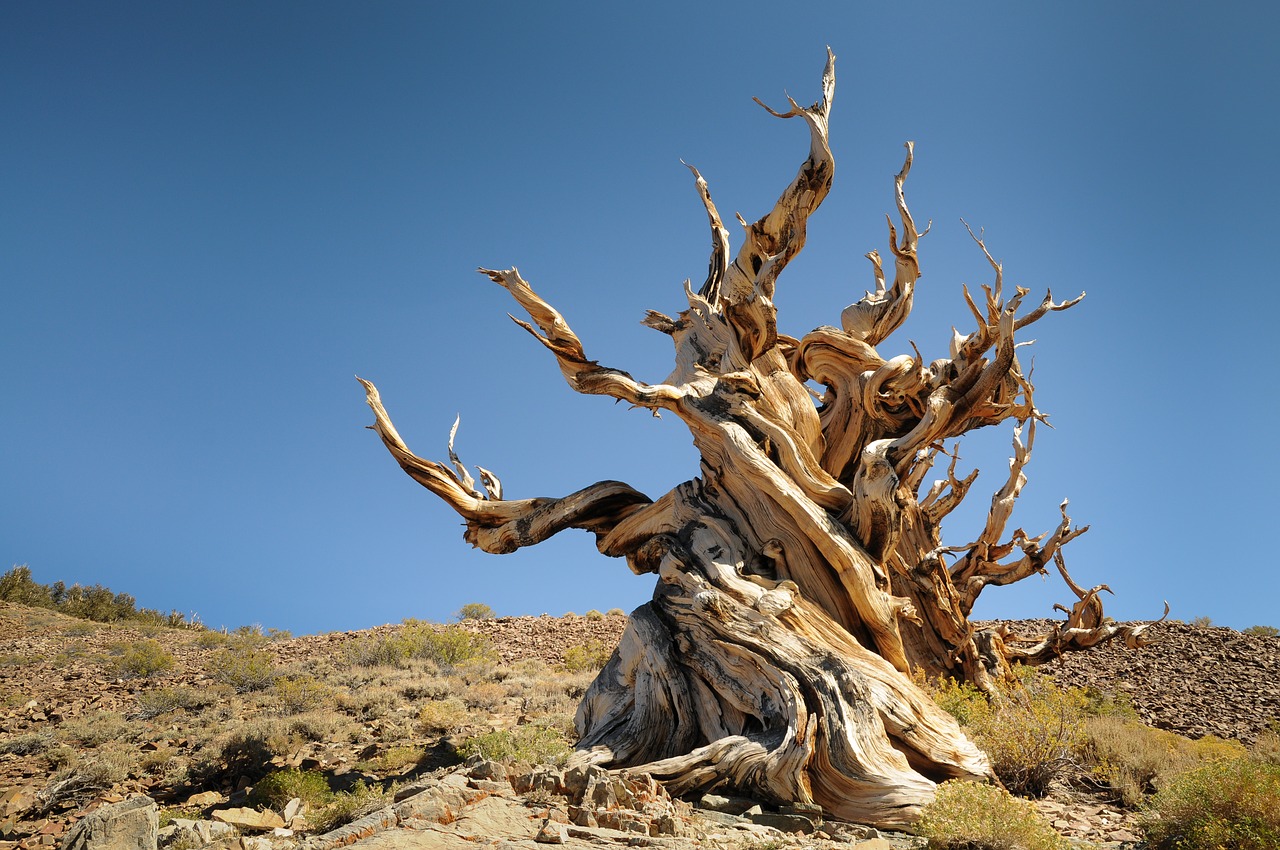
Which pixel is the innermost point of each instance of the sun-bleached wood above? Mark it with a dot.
(801, 577)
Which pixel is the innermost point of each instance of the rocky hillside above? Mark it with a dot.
(204, 717)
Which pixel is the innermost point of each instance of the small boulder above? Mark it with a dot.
(250, 819)
(131, 825)
(552, 833)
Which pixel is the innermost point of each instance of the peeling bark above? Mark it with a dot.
(802, 579)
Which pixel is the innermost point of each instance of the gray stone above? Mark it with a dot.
(785, 822)
(194, 833)
(486, 769)
(728, 805)
(552, 833)
(131, 825)
(576, 779)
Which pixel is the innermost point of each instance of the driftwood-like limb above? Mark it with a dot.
(802, 579)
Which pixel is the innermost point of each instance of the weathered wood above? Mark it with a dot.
(802, 579)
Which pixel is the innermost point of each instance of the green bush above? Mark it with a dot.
(243, 668)
(280, 786)
(1225, 804)
(144, 660)
(1135, 760)
(474, 611)
(299, 693)
(1262, 631)
(592, 655)
(445, 645)
(1032, 731)
(532, 743)
(970, 816)
(348, 806)
(448, 645)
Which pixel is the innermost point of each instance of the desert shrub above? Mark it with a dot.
(1224, 804)
(431, 687)
(1031, 732)
(446, 715)
(446, 646)
(485, 695)
(350, 805)
(961, 700)
(83, 775)
(242, 667)
(280, 786)
(590, 656)
(144, 660)
(474, 611)
(970, 816)
(449, 646)
(279, 634)
(299, 693)
(212, 640)
(248, 748)
(160, 701)
(317, 725)
(593, 614)
(96, 729)
(1134, 760)
(1267, 747)
(533, 742)
(1262, 631)
(26, 745)
(1202, 622)
(615, 612)
(393, 759)
(384, 651)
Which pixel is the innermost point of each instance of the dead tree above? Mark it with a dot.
(801, 575)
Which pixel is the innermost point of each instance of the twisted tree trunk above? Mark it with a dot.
(801, 576)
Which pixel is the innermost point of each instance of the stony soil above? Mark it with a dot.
(57, 672)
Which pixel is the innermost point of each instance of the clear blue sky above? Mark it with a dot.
(214, 215)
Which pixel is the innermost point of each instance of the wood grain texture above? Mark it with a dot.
(802, 579)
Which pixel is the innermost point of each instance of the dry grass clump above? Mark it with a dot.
(534, 743)
(81, 775)
(157, 701)
(145, 659)
(297, 693)
(1232, 804)
(28, 744)
(242, 666)
(97, 728)
(484, 695)
(442, 716)
(971, 816)
(1135, 760)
